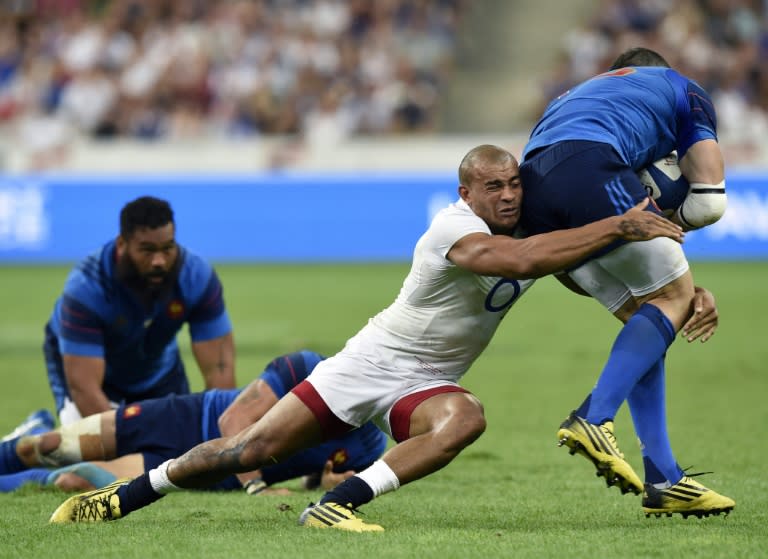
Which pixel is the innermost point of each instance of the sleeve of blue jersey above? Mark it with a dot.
(80, 329)
(208, 317)
(697, 120)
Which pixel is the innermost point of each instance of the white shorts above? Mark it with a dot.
(633, 269)
(357, 387)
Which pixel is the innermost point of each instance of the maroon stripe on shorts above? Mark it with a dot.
(400, 416)
(331, 426)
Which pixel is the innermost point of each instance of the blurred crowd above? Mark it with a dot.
(723, 44)
(154, 69)
(322, 70)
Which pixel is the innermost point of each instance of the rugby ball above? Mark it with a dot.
(665, 183)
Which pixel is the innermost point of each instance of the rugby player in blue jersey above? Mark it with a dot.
(111, 338)
(580, 166)
(140, 436)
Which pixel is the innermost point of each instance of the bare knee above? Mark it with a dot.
(463, 429)
(31, 448)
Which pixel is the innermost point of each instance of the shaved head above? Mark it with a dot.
(481, 155)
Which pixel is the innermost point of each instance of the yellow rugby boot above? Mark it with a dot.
(598, 444)
(687, 497)
(100, 505)
(333, 515)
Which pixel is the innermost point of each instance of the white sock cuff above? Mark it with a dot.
(158, 478)
(380, 477)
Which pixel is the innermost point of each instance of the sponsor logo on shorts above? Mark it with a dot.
(131, 411)
(339, 456)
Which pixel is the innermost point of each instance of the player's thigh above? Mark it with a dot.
(605, 288)
(646, 267)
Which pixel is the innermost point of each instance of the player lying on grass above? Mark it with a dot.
(402, 369)
(140, 436)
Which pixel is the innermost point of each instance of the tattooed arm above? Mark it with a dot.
(216, 359)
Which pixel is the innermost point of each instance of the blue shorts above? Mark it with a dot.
(575, 182)
(161, 429)
(356, 450)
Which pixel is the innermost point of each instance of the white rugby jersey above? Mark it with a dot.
(444, 315)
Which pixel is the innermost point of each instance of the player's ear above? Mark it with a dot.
(464, 192)
(120, 243)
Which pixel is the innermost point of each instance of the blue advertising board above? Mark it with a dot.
(285, 217)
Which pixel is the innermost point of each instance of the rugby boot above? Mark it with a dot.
(100, 505)
(598, 444)
(687, 497)
(333, 515)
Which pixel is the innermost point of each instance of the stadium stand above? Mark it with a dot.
(184, 68)
(316, 73)
(723, 44)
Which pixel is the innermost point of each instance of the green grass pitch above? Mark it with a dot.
(511, 494)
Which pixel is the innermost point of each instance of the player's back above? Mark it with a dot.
(637, 110)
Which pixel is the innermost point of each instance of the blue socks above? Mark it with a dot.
(635, 372)
(352, 492)
(642, 342)
(96, 475)
(10, 463)
(11, 482)
(647, 404)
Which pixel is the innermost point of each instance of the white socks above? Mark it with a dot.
(380, 478)
(158, 478)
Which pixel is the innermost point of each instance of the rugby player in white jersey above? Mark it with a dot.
(401, 370)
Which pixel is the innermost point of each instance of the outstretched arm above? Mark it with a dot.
(539, 255)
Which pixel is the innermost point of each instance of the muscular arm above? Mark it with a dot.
(85, 376)
(249, 406)
(216, 359)
(539, 255)
(703, 162)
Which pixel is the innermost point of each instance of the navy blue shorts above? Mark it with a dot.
(163, 428)
(159, 429)
(572, 183)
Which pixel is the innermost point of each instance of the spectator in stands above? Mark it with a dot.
(180, 69)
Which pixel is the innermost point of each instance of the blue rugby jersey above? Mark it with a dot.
(98, 316)
(643, 112)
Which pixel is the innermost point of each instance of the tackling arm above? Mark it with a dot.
(216, 360)
(539, 255)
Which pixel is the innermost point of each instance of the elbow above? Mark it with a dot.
(528, 268)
